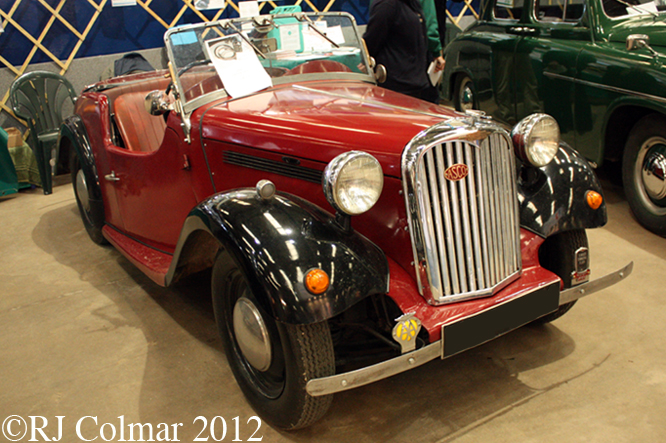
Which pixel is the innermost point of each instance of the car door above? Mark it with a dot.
(545, 61)
(495, 41)
(153, 185)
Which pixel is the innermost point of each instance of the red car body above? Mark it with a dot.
(147, 207)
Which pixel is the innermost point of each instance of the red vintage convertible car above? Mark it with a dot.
(353, 233)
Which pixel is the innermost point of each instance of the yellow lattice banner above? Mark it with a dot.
(468, 7)
(39, 41)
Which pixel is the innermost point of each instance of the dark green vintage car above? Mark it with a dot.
(597, 66)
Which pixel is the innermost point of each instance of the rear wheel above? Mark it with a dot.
(463, 93)
(91, 213)
(558, 255)
(271, 361)
(644, 172)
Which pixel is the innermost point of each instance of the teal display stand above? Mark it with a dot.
(275, 33)
(8, 178)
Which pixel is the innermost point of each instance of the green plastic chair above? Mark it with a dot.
(39, 98)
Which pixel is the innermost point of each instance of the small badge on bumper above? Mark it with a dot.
(406, 330)
(581, 273)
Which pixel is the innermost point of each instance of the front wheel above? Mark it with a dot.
(643, 172)
(558, 255)
(271, 361)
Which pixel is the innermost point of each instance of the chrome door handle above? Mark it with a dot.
(522, 30)
(112, 177)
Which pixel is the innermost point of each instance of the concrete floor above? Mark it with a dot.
(86, 334)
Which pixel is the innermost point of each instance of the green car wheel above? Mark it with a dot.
(643, 172)
(463, 98)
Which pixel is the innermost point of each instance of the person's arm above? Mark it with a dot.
(379, 25)
(432, 29)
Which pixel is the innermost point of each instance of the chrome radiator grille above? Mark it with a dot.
(463, 213)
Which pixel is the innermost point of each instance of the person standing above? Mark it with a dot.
(396, 36)
(434, 44)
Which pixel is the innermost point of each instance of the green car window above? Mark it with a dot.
(615, 8)
(508, 9)
(559, 10)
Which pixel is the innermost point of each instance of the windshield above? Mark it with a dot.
(240, 56)
(627, 8)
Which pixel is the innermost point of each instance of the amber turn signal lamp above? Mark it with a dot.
(594, 199)
(316, 281)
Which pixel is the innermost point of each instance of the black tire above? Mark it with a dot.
(557, 254)
(463, 93)
(646, 192)
(93, 220)
(298, 353)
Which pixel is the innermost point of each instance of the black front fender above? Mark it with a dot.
(553, 198)
(275, 242)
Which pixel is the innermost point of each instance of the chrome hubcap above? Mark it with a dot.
(466, 96)
(252, 334)
(649, 175)
(654, 168)
(82, 191)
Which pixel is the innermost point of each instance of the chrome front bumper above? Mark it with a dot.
(411, 360)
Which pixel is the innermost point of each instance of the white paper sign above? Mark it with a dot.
(238, 66)
(209, 4)
(116, 3)
(335, 34)
(435, 77)
(248, 9)
(313, 41)
(290, 37)
(645, 8)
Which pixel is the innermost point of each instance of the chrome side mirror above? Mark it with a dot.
(380, 73)
(158, 103)
(637, 41)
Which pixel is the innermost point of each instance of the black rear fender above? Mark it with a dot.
(73, 136)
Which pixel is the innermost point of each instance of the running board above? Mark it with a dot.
(150, 261)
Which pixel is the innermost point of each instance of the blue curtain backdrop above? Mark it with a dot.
(120, 29)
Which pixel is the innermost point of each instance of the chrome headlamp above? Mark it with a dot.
(353, 182)
(536, 139)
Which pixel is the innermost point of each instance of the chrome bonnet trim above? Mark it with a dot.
(365, 101)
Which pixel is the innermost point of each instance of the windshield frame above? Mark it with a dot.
(188, 105)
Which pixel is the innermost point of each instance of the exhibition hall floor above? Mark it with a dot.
(87, 337)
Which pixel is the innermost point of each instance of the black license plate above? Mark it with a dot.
(490, 324)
